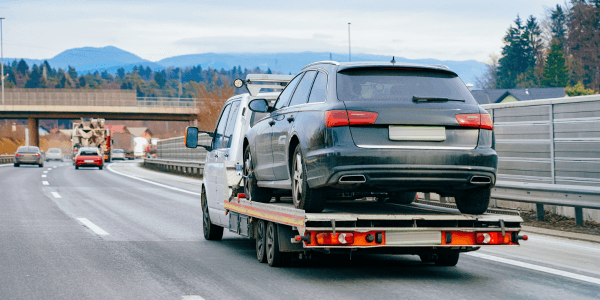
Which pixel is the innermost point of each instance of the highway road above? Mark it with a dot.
(129, 233)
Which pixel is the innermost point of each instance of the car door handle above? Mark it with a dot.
(217, 155)
(226, 155)
(272, 122)
(290, 119)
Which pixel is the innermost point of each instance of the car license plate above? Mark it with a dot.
(429, 237)
(417, 133)
(88, 161)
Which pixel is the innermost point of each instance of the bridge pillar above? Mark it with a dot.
(34, 131)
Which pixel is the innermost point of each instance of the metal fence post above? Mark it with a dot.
(551, 113)
(579, 216)
(540, 211)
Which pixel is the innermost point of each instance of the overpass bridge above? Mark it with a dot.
(36, 104)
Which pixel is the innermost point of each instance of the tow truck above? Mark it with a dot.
(283, 233)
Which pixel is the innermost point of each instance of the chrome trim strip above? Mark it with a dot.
(415, 147)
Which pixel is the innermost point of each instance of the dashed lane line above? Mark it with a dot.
(43, 176)
(535, 267)
(54, 167)
(152, 182)
(45, 183)
(93, 227)
(45, 172)
(191, 297)
(49, 169)
(56, 195)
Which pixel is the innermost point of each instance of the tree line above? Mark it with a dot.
(189, 82)
(563, 50)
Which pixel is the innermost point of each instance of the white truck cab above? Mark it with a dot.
(223, 164)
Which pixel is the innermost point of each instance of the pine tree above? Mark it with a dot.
(521, 52)
(121, 72)
(72, 73)
(555, 71)
(22, 67)
(35, 80)
(160, 80)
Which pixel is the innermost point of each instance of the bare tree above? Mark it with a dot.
(488, 79)
(212, 100)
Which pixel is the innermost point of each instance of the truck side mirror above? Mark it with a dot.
(191, 137)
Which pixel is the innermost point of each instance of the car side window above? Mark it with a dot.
(287, 92)
(220, 130)
(231, 124)
(301, 94)
(319, 89)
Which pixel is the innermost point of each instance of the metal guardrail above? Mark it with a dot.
(187, 167)
(174, 149)
(7, 159)
(541, 194)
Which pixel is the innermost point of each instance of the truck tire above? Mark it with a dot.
(261, 241)
(100, 167)
(474, 201)
(41, 165)
(251, 189)
(17, 165)
(306, 198)
(449, 259)
(275, 258)
(212, 232)
(402, 197)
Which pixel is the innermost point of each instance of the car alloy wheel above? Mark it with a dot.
(297, 180)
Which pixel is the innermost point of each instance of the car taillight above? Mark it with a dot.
(37, 154)
(334, 118)
(17, 154)
(328, 238)
(482, 121)
(492, 238)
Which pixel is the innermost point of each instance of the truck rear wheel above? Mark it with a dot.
(275, 258)
(261, 230)
(306, 198)
(449, 259)
(474, 201)
(212, 232)
(402, 197)
(251, 189)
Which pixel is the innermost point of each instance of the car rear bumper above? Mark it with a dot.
(84, 164)
(388, 170)
(26, 161)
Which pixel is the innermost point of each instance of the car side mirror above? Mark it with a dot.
(191, 137)
(259, 105)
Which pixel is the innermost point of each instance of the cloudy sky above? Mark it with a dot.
(440, 29)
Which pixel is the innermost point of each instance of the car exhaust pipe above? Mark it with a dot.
(481, 180)
(353, 179)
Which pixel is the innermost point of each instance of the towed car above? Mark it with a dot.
(89, 157)
(29, 155)
(385, 129)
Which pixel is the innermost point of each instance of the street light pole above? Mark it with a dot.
(349, 46)
(2, 63)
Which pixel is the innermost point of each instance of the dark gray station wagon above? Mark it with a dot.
(369, 128)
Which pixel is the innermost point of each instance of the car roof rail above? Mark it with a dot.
(256, 82)
(329, 62)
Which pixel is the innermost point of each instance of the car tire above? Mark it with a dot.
(304, 197)
(474, 201)
(76, 167)
(41, 165)
(211, 231)
(449, 259)
(402, 197)
(275, 258)
(17, 165)
(100, 167)
(251, 189)
(261, 240)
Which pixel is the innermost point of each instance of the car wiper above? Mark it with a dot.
(434, 99)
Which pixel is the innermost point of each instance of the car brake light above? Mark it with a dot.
(492, 238)
(37, 154)
(329, 238)
(17, 155)
(482, 121)
(334, 118)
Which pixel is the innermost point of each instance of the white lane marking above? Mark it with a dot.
(49, 169)
(45, 183)
(152, 182)
(54, 167)
(93, 227)
(535, 267)
(43, 176)
(45, 172)
(56, 195)
(191, 297)
(541, 239)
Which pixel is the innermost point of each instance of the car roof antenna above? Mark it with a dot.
(393, 60)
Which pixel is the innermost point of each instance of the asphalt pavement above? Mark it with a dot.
(130, 233)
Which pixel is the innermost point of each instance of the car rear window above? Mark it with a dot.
(54, 151)
(27, 150)
(88, 152)
(118, 151)
(400, 85)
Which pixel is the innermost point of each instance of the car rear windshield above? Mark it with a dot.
(27, 150)
(400, 85)
(89, 152)
(118, 151)
(54, 151)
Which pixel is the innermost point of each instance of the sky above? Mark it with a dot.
(153, 30)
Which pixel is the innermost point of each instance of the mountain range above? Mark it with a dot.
(110, 58)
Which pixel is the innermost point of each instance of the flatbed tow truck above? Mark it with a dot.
(283, 233)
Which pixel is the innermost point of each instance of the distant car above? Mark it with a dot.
(54, 154)
(89, 157)
(29, 155)
(119, 154)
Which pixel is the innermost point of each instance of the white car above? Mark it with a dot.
(54, 154)
(119, 154)
(224, 147)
